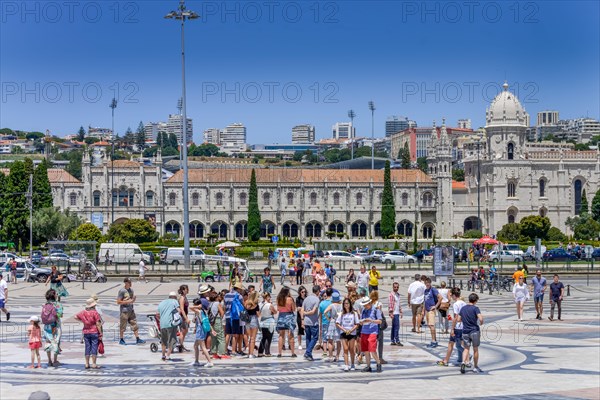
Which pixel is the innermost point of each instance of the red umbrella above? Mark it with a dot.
(486, 240)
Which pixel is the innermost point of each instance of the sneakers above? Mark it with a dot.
(139, 341)
(383, 361)
(537, 316)
(477, 370)
(367, 369)
(393, 344)
(463, 368)
(300, 347)
(215, 357)
(550, 318)
(441, 364)
(378, 367)
(251, 356)
(195, 364)
(122, 342)
(346, 368)
(432, 345)
(224, 357)
(209, 365)
(352, 368)
(308, 358)
(400, 344)
(7, 316)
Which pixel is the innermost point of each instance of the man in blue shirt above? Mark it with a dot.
(471, 318)
(538, 283)
(370, 319)
(433, 299)
(326, 302)
(168, 332)
(232, 325)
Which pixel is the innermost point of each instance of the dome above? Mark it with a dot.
(506, 110)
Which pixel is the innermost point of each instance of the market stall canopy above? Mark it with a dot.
(486, 240)
(228, 244)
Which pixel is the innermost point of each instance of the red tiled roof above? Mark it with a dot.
(55, 175)
(458, 185)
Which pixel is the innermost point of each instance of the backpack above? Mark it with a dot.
(211, 316)
(236, 308)
(175, 318)
(205, 321)
(48, 314)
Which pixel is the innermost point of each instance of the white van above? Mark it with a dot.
(175, 256)
(121, 253)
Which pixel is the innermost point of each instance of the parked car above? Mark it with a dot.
(175, 256)
(59, 259)
(376, 255)
(338, 255)
(596, 254)
(424, 255)
(36, 257)
(504, 255)
(4, 257)
(514, 249)
(122, 253)
(530, 253)
(364, 255)
(28, 271)
(398, 257)
(558, 254)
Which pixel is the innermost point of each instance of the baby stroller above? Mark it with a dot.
(154, 332)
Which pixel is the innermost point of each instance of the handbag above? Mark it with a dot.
(100, 346)
(244, 316)
(175, 318)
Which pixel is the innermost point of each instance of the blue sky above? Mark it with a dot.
(275, 66)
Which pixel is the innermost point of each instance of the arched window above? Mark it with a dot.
(219, 199)
(172, 199)
(196, 230)
(336, 199)
(123, 197)
(149, 199)
(219, 228)
(542, 187)
(195, 199)
(427, 230)
(337, 227)
(512, 216)
(543, 212)
(243, 199)
(173, 228)
(377, 229)
(577, 187)
(511, 189)
(241, 230)
(359, 199)
(97, 198)
(73, 199)
(266, 199)
(290, 199)
(267, 228)
(510, 151)
(359, 229)
(313, 199)
(290, 229)
(427, 199)
(405, 199)
(405, 228)
(313, 229)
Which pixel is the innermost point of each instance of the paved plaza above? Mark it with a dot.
(532, 359)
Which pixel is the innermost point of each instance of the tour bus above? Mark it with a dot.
(121, 253)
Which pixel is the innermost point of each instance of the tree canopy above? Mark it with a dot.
(132, 231)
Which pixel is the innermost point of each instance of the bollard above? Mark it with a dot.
(116, 270)
(167, 265)
(491, 287)
(198, 277)
(129, 268)
(161, 279)
(83, 283)
(481, 288)
(461, 285)
(568, 290)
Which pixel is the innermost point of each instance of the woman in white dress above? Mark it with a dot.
(521, 295)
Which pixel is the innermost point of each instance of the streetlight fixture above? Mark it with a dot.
(479, 225)
(372, 108)
(112, 105)
(184, 14)
(351, 115)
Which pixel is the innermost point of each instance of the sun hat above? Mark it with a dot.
(172, 294)
(203, 289)
(335, 298)
(351, 285)
(365, 300)
(89, 303)
(34, 318)
(239, 286)
(95, 297)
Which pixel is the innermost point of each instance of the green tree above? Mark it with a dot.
(422, 164)
(458, 174)
(91, 140)
(42, 192)
(74, 157)
(555, 235)
(510, 233)
(473, 234)
(534, 226)
(52, 224)
(404, 156)
(140, 136)
(253, 211)
(388, 209)
(87, 232)
(596, 206)
(204, 150)
(15, 225)
(132, 231)
(581, 146)
(34, 135)
(584, 203)
(584, 227)
(173, 141)
(81, 134)
(16, 150)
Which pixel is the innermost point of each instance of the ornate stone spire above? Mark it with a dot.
(444, 134)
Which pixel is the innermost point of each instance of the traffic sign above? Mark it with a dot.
(274, 239)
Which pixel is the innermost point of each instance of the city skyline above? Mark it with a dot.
(260, 85)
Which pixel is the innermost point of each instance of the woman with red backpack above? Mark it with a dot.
(52, 312)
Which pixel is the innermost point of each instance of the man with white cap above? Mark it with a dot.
(4, 296)
(170, 319)
(370, 320)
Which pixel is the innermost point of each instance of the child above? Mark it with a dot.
(35, 340)
(200, 308)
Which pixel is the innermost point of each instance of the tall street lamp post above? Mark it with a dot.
(351, 115)
(182, 14)
(479, 224)
(113, 105)
(372, 108)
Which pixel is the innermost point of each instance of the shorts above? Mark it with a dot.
(35, 345)
(168, 336)
(457, 336)
(368, 342)
(184, 325)
(346, 336)
(538, 298)
(520, 300)
(200, 334)
(2, 303)
(430, 316)
(473, 338)
(253, 324)
(417, 309)
(232, 327)
(127, 317)
(333, 333)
